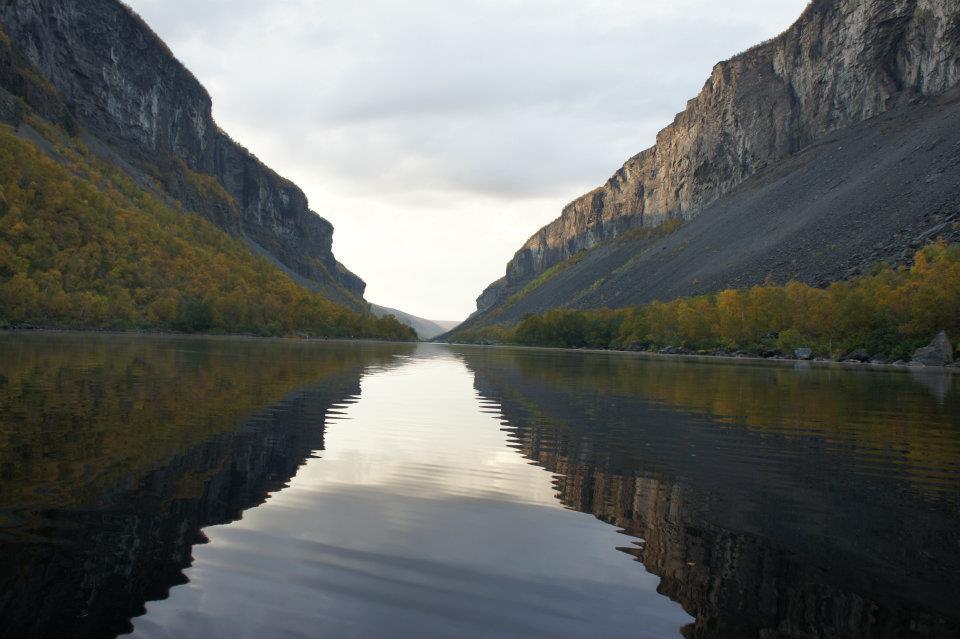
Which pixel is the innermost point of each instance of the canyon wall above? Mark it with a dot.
(842, 62)
(106, 76)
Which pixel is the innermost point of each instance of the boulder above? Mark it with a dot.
(859, 355)
(803, 353)
(938, 353)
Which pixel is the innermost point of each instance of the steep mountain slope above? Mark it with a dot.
(426, 329)
(122, 206)
(96, 69)
(872, 193)
(82, 246)
(763, 118)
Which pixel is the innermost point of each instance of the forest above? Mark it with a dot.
(82, 246)
(887, 314)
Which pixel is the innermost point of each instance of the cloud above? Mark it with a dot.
(391, 113)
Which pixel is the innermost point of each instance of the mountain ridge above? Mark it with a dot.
(426, 329)
(104, 74)
(842, 62)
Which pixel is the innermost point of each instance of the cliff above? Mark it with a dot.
(843, 62)
(96, 69)
(871, 193)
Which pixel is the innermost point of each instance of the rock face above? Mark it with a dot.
(104, 73)
(873, 192)
(938, 353)
(842, 62)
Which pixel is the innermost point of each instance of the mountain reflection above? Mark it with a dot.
(116, 452)
(771, 502)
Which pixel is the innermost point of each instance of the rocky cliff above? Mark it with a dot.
(95, 68)
(842, 62)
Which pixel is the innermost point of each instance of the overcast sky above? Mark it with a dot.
(438, 135)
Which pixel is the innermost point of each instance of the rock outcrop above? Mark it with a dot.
(95, 68)
(938, 353)
(842, 62)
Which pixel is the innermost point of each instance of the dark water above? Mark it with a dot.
(236, 488)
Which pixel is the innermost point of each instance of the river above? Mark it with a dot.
(218, 487)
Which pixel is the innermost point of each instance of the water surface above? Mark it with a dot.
(164, 487)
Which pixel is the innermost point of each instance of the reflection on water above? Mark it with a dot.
(241, 488)
(772, 502)
(116, 451)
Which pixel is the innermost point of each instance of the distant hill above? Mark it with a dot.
(812, 157)
(426, 329)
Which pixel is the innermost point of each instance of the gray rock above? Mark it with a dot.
(803, 353)
(938, 353)
(859, 355)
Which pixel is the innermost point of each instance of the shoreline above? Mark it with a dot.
(679, 357)
(744, 359)
(225, 336)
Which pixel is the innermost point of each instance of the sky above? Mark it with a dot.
(438, 135)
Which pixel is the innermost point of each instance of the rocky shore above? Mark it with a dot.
(938, 354)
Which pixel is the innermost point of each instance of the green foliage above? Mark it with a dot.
(194, 316)
(496, 334)
(890, 312)
(82, 246)
(792, 339)
(570, 329)
(664, 229)
(543, 278)
(206, 186)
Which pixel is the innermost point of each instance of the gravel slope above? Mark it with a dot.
(872, 192)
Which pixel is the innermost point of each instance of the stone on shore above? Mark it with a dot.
(938, 353)
(859, 355)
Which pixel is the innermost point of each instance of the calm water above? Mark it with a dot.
(159, 487)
